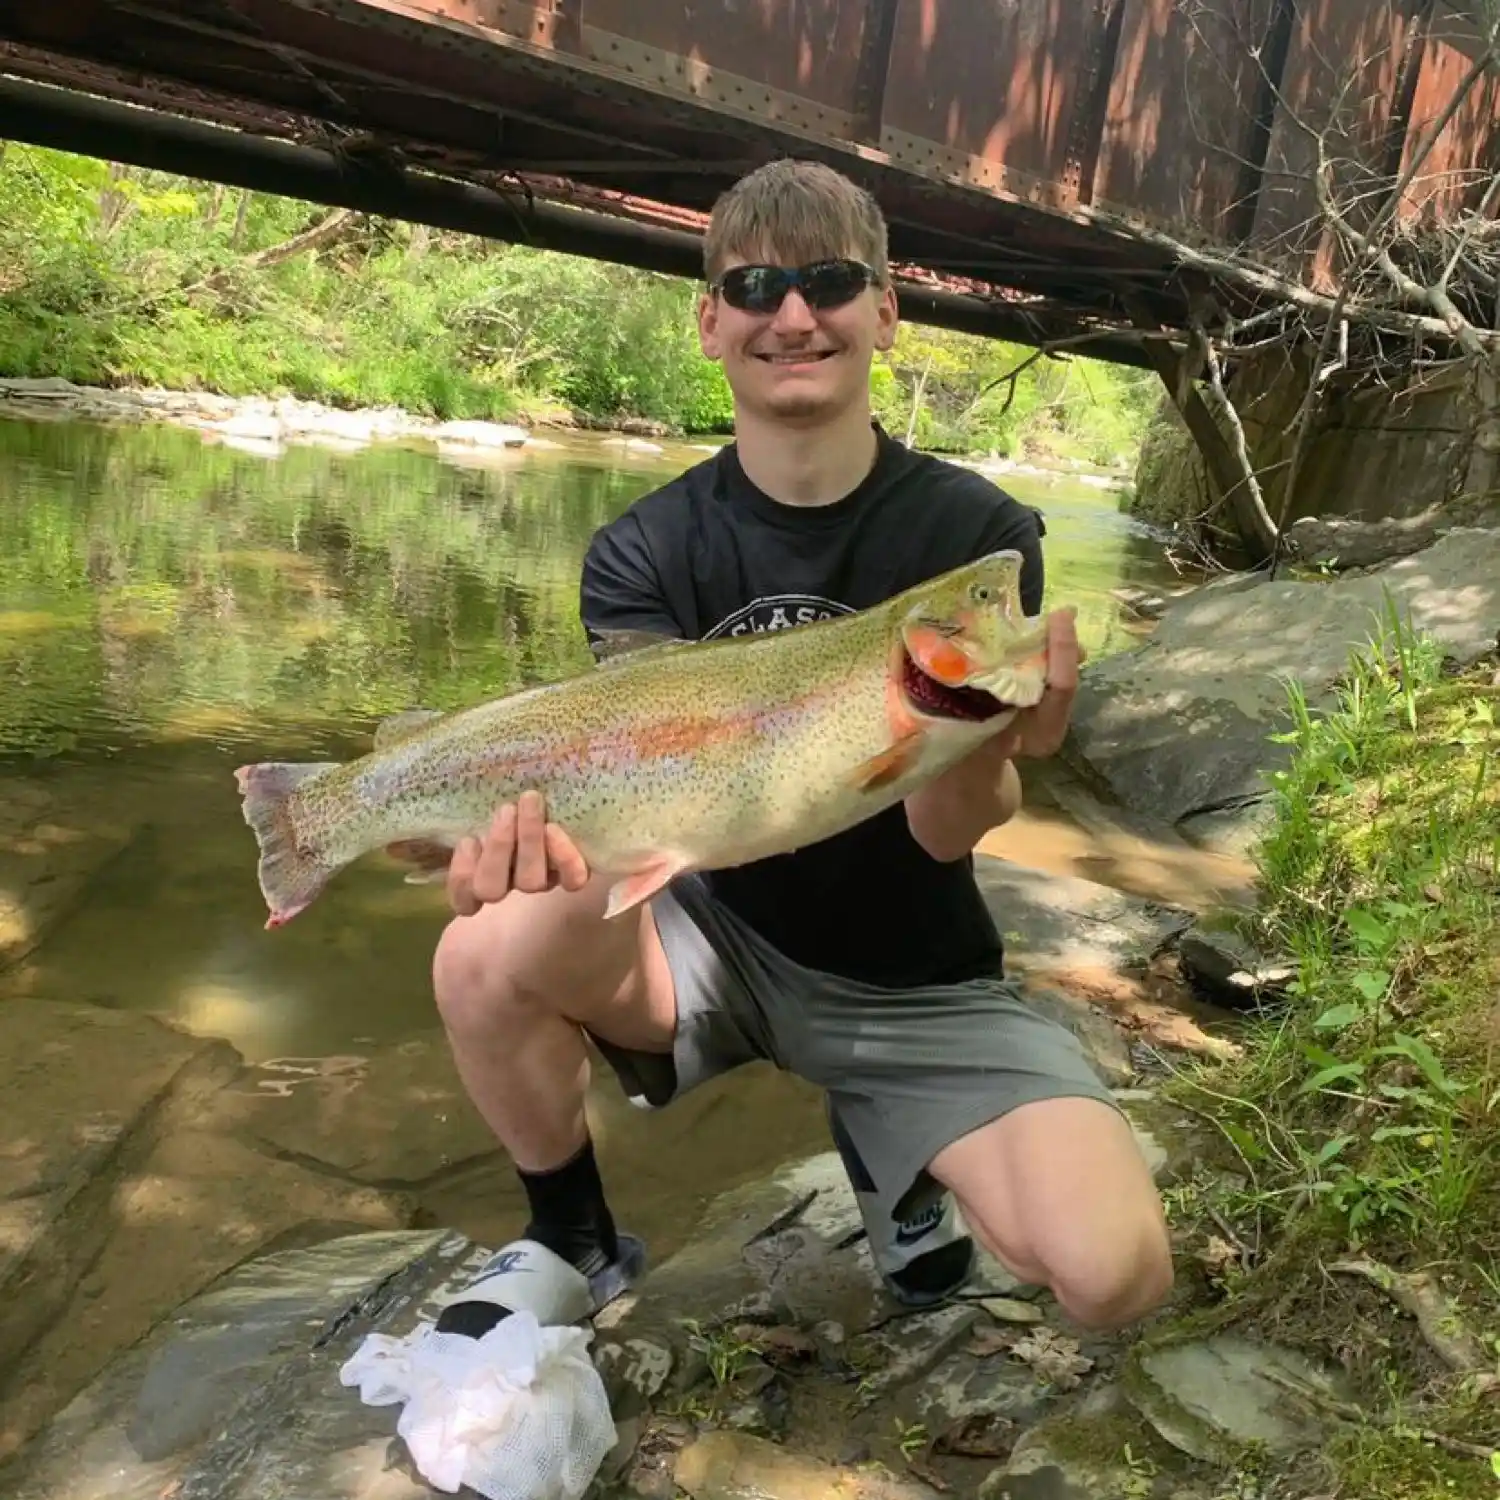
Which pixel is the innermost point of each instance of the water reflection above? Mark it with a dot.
(169, 609)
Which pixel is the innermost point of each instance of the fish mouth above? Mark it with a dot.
(939, 701)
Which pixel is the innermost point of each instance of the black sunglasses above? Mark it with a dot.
(823, 284)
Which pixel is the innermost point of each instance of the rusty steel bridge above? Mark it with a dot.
(1051, 169)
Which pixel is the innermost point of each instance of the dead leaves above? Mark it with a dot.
(983, 1435)
(778, 1345)
(1056, 1359)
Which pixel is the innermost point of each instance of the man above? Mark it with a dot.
(868, 963)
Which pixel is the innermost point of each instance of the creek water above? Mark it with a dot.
(172, 607)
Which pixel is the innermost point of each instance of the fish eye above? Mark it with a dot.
(981, 593)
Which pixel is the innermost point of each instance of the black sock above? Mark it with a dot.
(569, 1216)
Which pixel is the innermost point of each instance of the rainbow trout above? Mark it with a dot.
(677, 755)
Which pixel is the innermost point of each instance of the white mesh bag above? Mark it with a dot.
(520, 1414)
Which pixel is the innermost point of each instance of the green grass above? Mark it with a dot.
(1360, 1118)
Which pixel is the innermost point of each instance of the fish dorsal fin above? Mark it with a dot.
(615, 646)
(403, 726)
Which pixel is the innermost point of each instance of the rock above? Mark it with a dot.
(481, 434)
(1180, 725)
(49, 856)
(70, 1137)
(737, 1466)
(1234, 831)
(1011, 1310)
(237, 1394)
(1098, 1450)
(812, 1271)
(254, 426)
(396, 1118)
(198, 1205)
(1229, 968)
(1101, 1036)
(1055, 922)
(1215, 1398)
(905, 1350)
(1144, 603)
(633, 1373)
(39, 388)
(1342, 543)
(627, 1439)
(965, 1386)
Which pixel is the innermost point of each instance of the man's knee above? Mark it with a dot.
(551, 954)
(1058, 1189)
(1112, 1280)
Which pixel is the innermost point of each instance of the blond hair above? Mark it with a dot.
(797, 211)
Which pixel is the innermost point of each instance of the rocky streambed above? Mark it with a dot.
(191, 1246)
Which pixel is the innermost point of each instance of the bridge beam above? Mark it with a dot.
(43, 115)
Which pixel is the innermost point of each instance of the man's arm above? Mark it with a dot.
(949, 816)
(619, 588)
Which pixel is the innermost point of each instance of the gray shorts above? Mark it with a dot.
(907, 1072)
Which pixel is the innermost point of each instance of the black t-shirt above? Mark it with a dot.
(709, 554)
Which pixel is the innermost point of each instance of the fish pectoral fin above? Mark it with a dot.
(889, 764)
(643, 885)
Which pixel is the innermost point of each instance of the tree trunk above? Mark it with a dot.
(1228, 469)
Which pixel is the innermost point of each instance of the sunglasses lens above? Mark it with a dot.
(762, 289)
(831, 283)
(755, 289)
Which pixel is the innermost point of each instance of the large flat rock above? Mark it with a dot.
(200, 1204)
(1057, 922)
(1181, 725)
(398, 1117)
(237, 1396)
(83, 1087)
(49, 853)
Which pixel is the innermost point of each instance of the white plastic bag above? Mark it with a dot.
(520, 1414)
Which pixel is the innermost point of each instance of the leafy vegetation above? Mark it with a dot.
(1359, 1121)
(112, 276)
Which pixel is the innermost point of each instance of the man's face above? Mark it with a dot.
(799, 362)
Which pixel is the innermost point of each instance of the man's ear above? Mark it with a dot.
(708, 325)
(887, 318)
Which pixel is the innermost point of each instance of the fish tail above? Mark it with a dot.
(291, 871)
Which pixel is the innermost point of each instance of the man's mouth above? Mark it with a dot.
(939, 701)
(797, 357)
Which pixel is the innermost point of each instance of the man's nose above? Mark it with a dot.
(794, 315)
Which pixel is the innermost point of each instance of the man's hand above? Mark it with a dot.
(521, 851)
(1039, 731)
(949, 816)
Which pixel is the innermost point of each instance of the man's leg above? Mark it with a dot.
(967, 1089)
(515, 985)
(1058, 1191)
(924, 1258)
(518, 984)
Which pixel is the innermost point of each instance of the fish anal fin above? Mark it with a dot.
(643, 884)
(428, 859)
(889, 764)
(403, 726)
